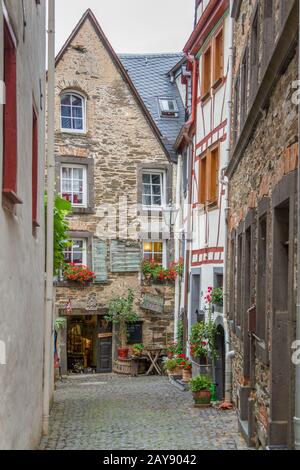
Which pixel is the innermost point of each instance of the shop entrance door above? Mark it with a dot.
(104, 350)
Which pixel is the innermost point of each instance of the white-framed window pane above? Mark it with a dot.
(66, 111)
(147, 189)
(152, 189)
(156, 201)
(147, 200)
(77, 124)
(76, 253)
(146, 178)
(76, 100)
(66, 123)
(73, 185)
(66, 99)
(154, 250)
(156, 190)
(72, 112)
(77, 112)
(156, 179)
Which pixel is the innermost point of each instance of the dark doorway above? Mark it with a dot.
(220, 363)
(104, 350)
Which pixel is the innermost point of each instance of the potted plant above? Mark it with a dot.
(80, 274)
(203, 340)
(173, 349)
(200, 387)
(217, 298)
(172, 367)
(186, 366)
(120, 313)
(137, 349)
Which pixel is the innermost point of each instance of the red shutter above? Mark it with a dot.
(10, 118)
(34, 167)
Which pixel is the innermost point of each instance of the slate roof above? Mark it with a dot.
(150, 76)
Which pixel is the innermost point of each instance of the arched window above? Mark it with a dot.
(72, 112)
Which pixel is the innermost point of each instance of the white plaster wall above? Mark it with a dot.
(21, 253)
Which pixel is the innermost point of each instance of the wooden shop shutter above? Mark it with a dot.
(125, 257)
(213, 175)
(219, 56)
(206, 71)
(99, 260)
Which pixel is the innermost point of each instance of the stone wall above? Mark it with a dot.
(120, 140)
(270, 154)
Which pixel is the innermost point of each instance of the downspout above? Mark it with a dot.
(297, 365)
(230, 355)
(177, 243)
(190, 122)
(48, 347)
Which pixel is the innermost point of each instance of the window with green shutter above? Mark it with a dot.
(99, 260)
(125, 257)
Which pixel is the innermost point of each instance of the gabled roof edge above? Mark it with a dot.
(90, 15)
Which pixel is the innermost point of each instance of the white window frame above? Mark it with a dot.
(74, 131)
(173, 114)
(84, 195)
(164, 252)
(84, 250)
(162, 175)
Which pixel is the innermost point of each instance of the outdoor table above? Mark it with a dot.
(154, 355)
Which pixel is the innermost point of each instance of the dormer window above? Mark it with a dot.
(72, 112)
(168, 107)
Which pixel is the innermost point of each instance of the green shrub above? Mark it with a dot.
(200, 382)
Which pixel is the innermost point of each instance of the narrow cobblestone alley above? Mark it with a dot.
(110, 412)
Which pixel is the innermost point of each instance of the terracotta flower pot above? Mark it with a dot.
(202, 398)
(177, 371)
(186, 375)
(123, 353)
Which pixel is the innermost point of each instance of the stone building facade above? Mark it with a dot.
(22, 160)
(108, 144)
(262, 220)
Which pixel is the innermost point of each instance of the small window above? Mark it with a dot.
(72, 113)
(168, 107)
(155, 251)
(73, 184)
(206, 71)
(153, 189)
(77, 252)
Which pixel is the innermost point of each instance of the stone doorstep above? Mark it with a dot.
(178, 383)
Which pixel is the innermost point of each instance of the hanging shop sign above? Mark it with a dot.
(152, 302)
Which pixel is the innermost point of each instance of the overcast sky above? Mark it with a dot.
(132, 25)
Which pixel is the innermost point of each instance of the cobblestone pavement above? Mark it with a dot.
(109, 412)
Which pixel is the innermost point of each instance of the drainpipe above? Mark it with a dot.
(229, 357)
(48, 344)
(297, 366)
(177, 243)
(194, 61)
(189, 123)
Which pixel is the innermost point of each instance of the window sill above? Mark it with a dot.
(83, 210)
(11, 196)
(204, 98)
(218, 84)
(65, 131)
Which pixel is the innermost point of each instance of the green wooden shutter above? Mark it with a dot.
(99, 260)
(125, 257)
